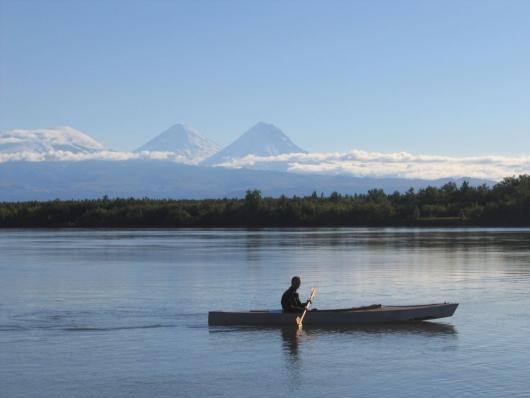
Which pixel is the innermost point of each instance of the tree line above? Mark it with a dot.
(505, 204)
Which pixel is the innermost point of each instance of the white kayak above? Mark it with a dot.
(376, 313)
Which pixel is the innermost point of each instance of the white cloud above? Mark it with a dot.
(102, 155)
(10, 140)
(50, 137)
(401, 164)
(354, 163)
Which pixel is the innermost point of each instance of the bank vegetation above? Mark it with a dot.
(505, 204)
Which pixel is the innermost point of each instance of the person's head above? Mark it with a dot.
(295, 282)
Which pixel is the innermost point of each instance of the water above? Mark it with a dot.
(123, 313)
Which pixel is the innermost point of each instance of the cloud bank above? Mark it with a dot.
(29, 156)
(356, 163)
(401, 164)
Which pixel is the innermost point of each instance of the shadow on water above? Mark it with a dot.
(418, 328)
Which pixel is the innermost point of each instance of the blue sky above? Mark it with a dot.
(427, 77)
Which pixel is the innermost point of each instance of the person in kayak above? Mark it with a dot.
(290, 299)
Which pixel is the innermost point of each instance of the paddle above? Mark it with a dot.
(299, 319)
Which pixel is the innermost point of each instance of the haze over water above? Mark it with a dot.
(123, 313)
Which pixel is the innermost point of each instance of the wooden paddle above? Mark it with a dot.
(299, 319)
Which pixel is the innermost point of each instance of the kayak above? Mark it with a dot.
(375, 313)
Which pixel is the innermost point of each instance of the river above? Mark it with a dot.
(123, 313)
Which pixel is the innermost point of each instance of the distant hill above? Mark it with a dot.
(65, 163)
(182, 140)
(263, 139)
(48, 180)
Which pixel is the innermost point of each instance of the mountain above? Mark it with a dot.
(42, 141)
(48, 180)
(262, 140)
(184, 141)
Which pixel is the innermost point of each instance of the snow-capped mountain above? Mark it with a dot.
(66, 139)
(263, 139)
(184, 141)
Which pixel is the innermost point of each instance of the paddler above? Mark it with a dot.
(290, 299)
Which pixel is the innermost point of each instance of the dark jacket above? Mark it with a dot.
(291, 301)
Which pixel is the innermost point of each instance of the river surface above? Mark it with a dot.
(123, 313)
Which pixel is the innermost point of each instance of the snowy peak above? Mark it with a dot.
(65, 139)
(182, 140)
(269, 139)
(263, 139)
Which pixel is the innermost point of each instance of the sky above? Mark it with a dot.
(434, 78)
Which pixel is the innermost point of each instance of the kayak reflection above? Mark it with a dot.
(300, 346)
(413, 327)
(419, 327)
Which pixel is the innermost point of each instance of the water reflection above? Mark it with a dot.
(291, 338)
(392, 238)
(294, 341)
(421, 328)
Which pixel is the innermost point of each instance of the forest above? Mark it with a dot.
(507, 203)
